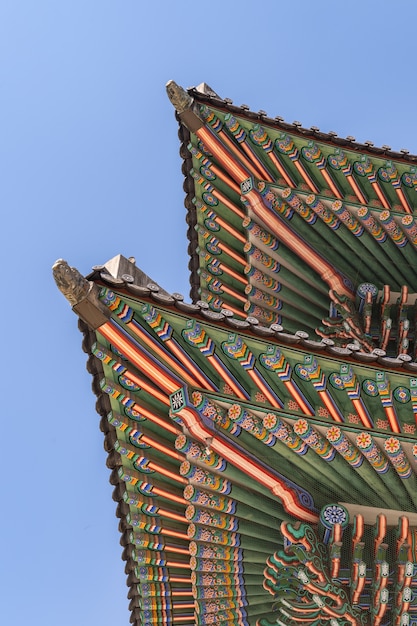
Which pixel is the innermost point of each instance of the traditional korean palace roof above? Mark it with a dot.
(299, 228)
(262, 438)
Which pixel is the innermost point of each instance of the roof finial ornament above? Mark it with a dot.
(180, 99)
(70, 282)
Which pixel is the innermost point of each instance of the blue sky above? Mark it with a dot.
(89, 168)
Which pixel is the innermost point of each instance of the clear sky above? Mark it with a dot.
(89, 168)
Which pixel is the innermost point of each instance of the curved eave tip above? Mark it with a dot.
(180, 99)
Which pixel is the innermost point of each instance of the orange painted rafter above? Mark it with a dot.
(392, 419)
(355, 188)
(164, 512)
(255, 376)
(336, 539)
(403, 201)
(240, 174)
(160, 469)
(291, 240)
(180, 579)
(229, 452)
(328, 403)
(403, 534)
(226, 179)
(173, 533)
(140, 360)
(380, 194)
(381, 530)
(233, 293)
(368, 316)
(251, 165)
(180, 565)
(306, 177)
(182, 357)
(155, 419)
(166, 381)
(281, 169)
(144, 384)
(360, 582)
(205, 162)
(361, 411)
(227, 250)
(385, 334)
(141, 334)
(158, 491)
(262, 172)
(116, 392)
(225, 200)
(330, 183)
(163, 354)
(157, 445)
(176, 550)
(180, 593)
(144, 521)
(232, 273)
(297, 245)
(297, 397)
(223, 373)
(139, 380)
(232, 231)
(359, 529)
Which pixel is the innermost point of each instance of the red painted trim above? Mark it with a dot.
(194, 424)
(166, 382)
(294, 243)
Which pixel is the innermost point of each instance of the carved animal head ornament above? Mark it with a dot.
(180, 99)
(70, 282)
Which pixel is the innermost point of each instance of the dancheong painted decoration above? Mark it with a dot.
(262, 437)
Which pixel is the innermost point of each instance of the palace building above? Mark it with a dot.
(262, 437)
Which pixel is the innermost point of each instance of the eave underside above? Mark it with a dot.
(199, 529)
(310, 233)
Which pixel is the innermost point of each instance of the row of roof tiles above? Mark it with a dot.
(205, 94)
(250, 324)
